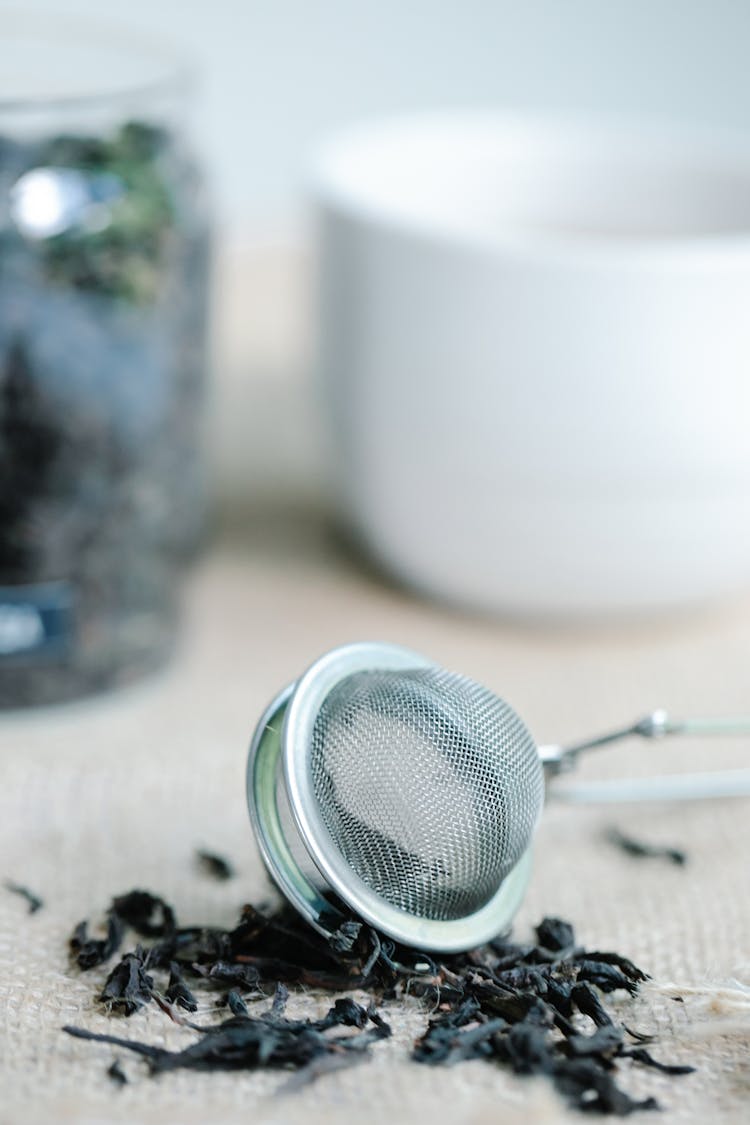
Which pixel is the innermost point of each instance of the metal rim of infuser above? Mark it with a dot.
(416, 807)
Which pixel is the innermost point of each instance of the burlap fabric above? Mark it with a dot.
(101, 797)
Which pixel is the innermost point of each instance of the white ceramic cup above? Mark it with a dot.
(535, 350)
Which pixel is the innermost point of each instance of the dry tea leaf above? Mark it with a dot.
(528, 1007)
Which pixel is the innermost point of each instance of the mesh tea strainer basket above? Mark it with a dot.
(410, 792)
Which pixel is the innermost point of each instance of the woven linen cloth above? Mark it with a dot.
(114, 793)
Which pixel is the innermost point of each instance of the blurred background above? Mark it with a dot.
(279, 75)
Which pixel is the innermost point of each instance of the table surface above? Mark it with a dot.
(118, 792)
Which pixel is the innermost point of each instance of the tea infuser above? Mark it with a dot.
(410, 794)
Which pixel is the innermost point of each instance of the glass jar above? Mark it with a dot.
(104, 251)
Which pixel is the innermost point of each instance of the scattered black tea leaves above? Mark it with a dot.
(344, 939)
(243, 976)
(117, 1074)
(607, 977)
(638, 1036)
(591, 1088)
(128, 987)
(215, 865)
(628, 968)
(144, 1049)
(446, 1042)
(605, 1042)
(170, 1009)
(280, 998)
(375, 954)
(246, 1042)
(178, 992)
(555, 935)
(527, 1048)
(518, 1006)
(195, 944)
(588, 1004)
(147, 914)
(34, 901)
(350, 1014)
(641, 850)
(236, 1004)
(529, 1007)
(641, 1055)
(89, 952)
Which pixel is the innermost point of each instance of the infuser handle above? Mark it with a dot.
(729, 783)
(675, 787)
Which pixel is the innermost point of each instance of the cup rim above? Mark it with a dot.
(333, 186)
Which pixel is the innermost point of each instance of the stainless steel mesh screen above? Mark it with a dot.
(429, 785)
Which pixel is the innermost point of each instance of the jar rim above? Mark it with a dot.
(124, 65)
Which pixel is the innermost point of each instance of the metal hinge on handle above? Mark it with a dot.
(559, 760)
